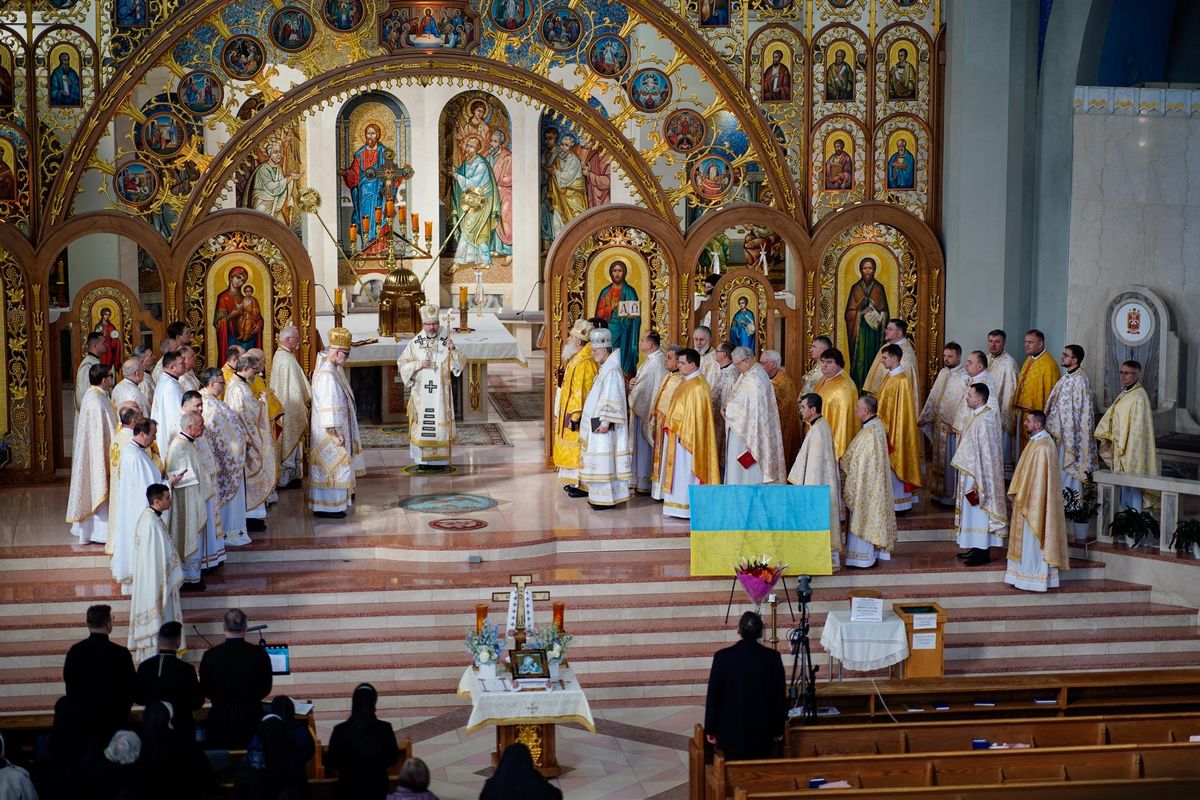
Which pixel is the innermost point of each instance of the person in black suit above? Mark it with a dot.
(165, 677)
(746, 708)
(236, 676)
(362, 749)
(99, 678)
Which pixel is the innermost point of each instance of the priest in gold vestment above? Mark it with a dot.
(936, 421)
(95, 426)
(788, 401)
(426, 368)
(838, 397)
(689, 455)
(900, 418)
(290, 386)
(643, 388)
(867, 491)
(753, 444)
(1037, 545)
(578, 373)
(817, 465)
(981, 513)
(819, 346)
(662, 405)
(1126, 437)
(336, 458)
(895, 333)
(1038, 375)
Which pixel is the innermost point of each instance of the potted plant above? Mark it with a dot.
(555, 641)
(1080, 507)
(1187, 536)
(1134, 525)
(485, 647)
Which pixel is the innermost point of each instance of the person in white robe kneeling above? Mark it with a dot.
(157, 576)
(336, 455)
(981, 511)
(1037, 548)
(605, 462)
(753, 438)
(867, 489)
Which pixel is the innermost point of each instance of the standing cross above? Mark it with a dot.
(520, 581)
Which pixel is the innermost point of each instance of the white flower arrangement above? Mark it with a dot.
(485, 646)
(553, 640)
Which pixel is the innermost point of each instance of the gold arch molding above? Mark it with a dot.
(669, 24)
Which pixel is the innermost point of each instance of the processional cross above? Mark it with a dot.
(520, 581)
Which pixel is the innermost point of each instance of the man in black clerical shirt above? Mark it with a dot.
(236, 676)
(165, 677)
(746, 708)
(99, 678)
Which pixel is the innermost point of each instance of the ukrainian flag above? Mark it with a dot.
(788, 523)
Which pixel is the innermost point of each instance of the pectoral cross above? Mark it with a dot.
(520, 581)
(430, 387)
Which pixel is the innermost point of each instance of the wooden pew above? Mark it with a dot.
(1033, 790)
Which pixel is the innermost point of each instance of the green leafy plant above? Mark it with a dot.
(1135, 525)
(1187, 534)
(1081, 506)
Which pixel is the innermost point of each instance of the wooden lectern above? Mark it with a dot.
(925, 628)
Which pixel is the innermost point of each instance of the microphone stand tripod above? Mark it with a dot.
(802, 689)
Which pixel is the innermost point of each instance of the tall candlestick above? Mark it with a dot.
(462, 296)
(402, 214)
(337, 297)
(366, 225)
(416, 222)
(378, 216)
(390, 205)
(560, 614)
(428, 230)
(353, 233)
(481, 614)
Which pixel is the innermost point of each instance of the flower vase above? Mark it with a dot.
(555, 670)
(1081, 530)
(487, 671)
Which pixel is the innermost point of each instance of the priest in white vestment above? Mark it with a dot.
(936, 421)
(722, 391)
(426, 367)
(260, 456)
(168, 400)
(643, 388)
(145, 356)
(753, 440)
(193, 509)
(1070, 420)
(97, 346)
(138, 472)
(702, 342)
(187, 379)
(867, 490)
(128, 415)
(1003, 369)
(808, 383)
(817, 465)
(605, 459)
(689, 448)
(981, 514)
(229, 442)
(129, 390)
(895, 332)
(291, 386)
(157, 575)
(88, 507)
(1037, 546)
(336, 456)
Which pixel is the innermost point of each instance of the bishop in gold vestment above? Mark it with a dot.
(838, 396)
(1126, 437)
(581, 369)
(1037, 548)
(866, 488)
(1038, 375)
(900, 418)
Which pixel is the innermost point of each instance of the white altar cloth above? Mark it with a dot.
(494, 703)
(490, 341)
(864, 646)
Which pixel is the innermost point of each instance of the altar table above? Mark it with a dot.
(527, 716)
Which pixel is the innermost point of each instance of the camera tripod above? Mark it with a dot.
(802, 688)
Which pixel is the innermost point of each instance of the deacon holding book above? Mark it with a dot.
(753, 442)
(867, 489)
(981, 514)
(606, 463)
(426, 367)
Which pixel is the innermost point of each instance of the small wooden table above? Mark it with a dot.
(528, 717)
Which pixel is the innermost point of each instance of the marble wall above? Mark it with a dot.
(1135, 214)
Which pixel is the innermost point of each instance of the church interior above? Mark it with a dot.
(246, 168)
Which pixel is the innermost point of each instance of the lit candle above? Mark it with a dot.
(416, 222)
(366, 225)
(560, 615)
(403, 215)
(337, 297)
(378, 215)
(462, 296)
(481, 614)
(391, 208)
(353, 233)
(428, 230)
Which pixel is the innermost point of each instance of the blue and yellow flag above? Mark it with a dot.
(788, 523)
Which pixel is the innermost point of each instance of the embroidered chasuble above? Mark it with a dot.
(817, 465)
(227, 438)
(157, 576)
(808, 384)
(577, 382)
(261, 472)
(642, 391)
(1070, 420)
(1126, 437)
(1038, 375)
(937, 423)
(662, 404)
(147, 389)
(1038, 522)
(839, 395)
(188, 382)
(873, 383)
(83, 379)
(430, 397)
(168, 399)
(752, 426)
(867, 487)
(119, 439)
(790, 426)
(290, 386)
(333, 467)
(88, 509)
(963, 414)
(129, 392)
(709, 368)
(689, 424)
(606, 463)
(1003, 370)
(137, 473)
(979, 460)
(722, 392)
(900, 418)
(188, 518)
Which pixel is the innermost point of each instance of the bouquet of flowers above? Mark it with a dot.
(758, 576)
(485, 646)
(553, 640)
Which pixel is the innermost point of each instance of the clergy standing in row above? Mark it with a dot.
(1037, 547)
(157, 575)
(817, 465)
(702, 342)
(787, 401)
(661, 407)
(168, 400)
(895, 333)
(819, 345)
(753, 445)
(721, 392)
(1003, 370)
(193, 508)
(97, 347)
(689, 451)
(129, 390)
(1038, 375)
(146, 358)
(1069, 420)
(337, 458)
(643, 388)
(187, 378)
(981, 512)
(88, 507)
(839, 396)
(899, 417)
(138, 473)
(211, 550)
(1126, 437)
(261, 472)
(290, 385)
(606, 462)
(426, 368)
(867, 491)
(578, 374)
(230, 444)
(937, 423)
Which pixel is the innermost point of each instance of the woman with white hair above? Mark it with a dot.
(119, 770)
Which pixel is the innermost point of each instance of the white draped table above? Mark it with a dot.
(526, 716)
(865, 646)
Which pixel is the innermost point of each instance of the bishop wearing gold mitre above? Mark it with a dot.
(1038, 375)
(662, 405)
(871, 517)
(900, 418)
(336, 458)
(838, 395)
(1126, 437)
(580, 371)
(690, 447)
(896, 332)
(1037, 544)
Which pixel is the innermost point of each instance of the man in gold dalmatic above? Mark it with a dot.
(336, 456)
(838, 397)
(662, 404)
(1126, 436)
(426, 368)
(900, 418)
(1038, 375)
(580, 371)
(689, 455)
(896, 333)
(871, 516)
(1037, 546)
(788, 401)
(290, 385)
